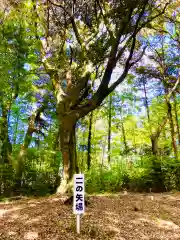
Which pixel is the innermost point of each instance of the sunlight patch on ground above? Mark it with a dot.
(3, 212)
(113, 220)
(111, 213)
(143, 220)
(112, 228)
(173, 210)
(167, 224)
(34, 201)
(33, 220)
(30, 235)
(56, 199)
(32, 205)
(15, 216)
(11, 233)
(24, 217)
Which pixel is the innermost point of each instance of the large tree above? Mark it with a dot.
(79, 37)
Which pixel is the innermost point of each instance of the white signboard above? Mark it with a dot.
(78, 204)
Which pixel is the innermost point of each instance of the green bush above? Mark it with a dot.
(142, 174)
(7, 175)
(145, 174)
(40, 171)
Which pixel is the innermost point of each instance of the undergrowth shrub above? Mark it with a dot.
(147, 173)
(141, 174)
(40, 174)
(7, 175)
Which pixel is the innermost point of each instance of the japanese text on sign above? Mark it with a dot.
(78, 204)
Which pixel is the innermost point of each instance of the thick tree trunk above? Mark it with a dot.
(19, 170)
(109, 128)
(89, 141)
(154, 144)
(68, 149)
(155, 136)
(22, 154)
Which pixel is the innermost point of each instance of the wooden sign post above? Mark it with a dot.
(78, 199)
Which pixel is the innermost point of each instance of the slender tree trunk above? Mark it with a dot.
(6, 147)
(89, 141)
(109, 128)
(153, 137)
(68, 149)
(123, 133)
(103, 152)
(146, 102)
(16, 130)
(5, 152)
(171, 123)
(124, 137)
(176, 117)
(170, 117)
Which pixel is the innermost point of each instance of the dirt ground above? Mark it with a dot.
(120, 216)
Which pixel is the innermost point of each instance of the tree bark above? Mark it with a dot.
(103, 152)
(124, 137)
(154, 144)
(168, 95)
(146, 101)
(89, 141)
(68, 149)
(109, 128)
(6, 147)
(155, 137)
(171, 123)
(27, 140)
(22, 154)
(123, 133)
(176, 117)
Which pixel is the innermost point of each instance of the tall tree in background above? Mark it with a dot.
(89, 140)
(109, 126)
(176, 117)
(164, 65)
(169, 82)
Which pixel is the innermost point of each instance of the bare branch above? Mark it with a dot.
(76, 31)
(139, 58)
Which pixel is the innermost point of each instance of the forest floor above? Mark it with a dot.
(120, 216)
